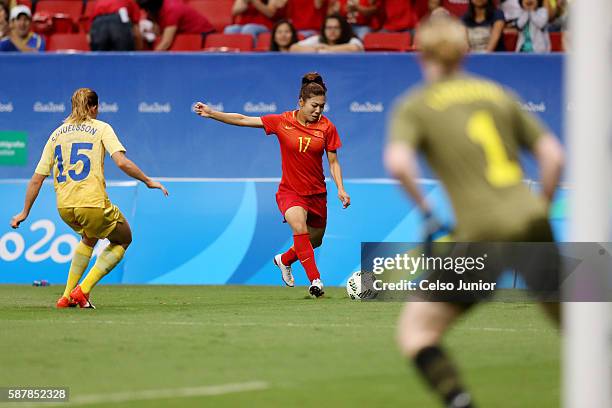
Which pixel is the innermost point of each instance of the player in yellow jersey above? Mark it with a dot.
(74, 155)
(470, 130)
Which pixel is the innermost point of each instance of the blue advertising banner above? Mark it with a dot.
(217, 232)
(148, 100)
(221, 224)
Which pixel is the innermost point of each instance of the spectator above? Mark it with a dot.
(175, 17)
(336, 36)
(4, 20)
(361, 14)
(306, 15)
(20, 37)
(253, 16)
(436, 9)
(485, 24)
(284, 35)
(115, 26)
(399, 15)
(511, 10)
(532, 24)
(558, 19)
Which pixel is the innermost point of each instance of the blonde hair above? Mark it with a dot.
(82, 100)
(443, 39)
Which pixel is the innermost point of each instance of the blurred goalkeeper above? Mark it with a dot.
(470, 131)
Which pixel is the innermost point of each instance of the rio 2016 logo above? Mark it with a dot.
(13, 245)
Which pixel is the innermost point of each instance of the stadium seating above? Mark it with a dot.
(229, 42)
(68, 42)
(510, 38)
(387, 42)
(556, 42)
(456, 7)
(263, 41)
(187, 42)
(64, 15)
(218, 12)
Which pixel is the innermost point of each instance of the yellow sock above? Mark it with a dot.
(80, 260)
(107, 260)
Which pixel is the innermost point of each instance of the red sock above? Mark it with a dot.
(289, 257)
(305, 253)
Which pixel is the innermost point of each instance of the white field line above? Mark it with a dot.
(203, 391)
(287, 324)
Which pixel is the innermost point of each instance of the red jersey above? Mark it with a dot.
(302, 150)
(400, 15)
(304, 15)
(186, 18)
(253, 16)
(102, 7)
(358, 18)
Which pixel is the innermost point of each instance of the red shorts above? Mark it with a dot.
(315, 205)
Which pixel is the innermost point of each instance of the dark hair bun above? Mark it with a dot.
(313, 77)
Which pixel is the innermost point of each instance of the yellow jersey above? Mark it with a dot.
(74, 154)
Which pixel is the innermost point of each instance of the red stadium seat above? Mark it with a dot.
(218, 12)
(387, 42)
(510, 39)
(187, 42)
(263, 41)
(68, 42)
(556, 42)
(456, 7)
(229, 42)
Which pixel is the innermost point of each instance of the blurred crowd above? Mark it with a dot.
(322, 26)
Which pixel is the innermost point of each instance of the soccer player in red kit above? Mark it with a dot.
(304, 135)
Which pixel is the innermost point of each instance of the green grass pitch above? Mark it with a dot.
(236, 346)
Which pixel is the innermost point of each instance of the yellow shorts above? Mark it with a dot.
(93, 222)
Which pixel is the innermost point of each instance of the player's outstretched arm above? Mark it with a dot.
(132, 170)
(235, 119)
(31, 193)
(336, 172)
(550, 157)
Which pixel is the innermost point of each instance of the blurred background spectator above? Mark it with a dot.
(306, 15)
(115, 26)
(363, 15)
(532, 24)
(284, 35)
(253, 16)
(485, 25)
(558, 20)
(4, 20)
(336, 36)
(21, 38)
(399, 15)
(174, 17)
(436, 10)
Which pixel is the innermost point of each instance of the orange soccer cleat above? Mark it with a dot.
(65, 302)
(81, 298)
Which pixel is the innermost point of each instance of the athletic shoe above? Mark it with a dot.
(65, 302)
(81, 298)
(316, 288)
(285, 271)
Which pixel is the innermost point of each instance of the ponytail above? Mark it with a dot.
(82, 100)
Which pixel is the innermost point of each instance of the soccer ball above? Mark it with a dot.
(361, 286)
